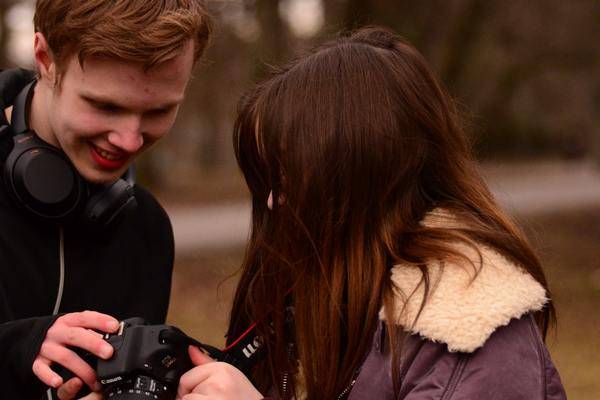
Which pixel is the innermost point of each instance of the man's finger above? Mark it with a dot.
(93, 396)
(41, 369)
(70, 389)
(71, 361)
(81, 338)
(91, 320)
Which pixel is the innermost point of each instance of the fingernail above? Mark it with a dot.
(112, 326)
(55, 382)
(106, 351)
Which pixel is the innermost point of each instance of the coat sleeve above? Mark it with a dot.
(512, 365)
(20, 342)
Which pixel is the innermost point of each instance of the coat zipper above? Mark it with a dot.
(285, 378)
(347, 389)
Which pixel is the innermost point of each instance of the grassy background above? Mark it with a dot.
(568, 243)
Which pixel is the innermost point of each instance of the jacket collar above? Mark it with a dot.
(463, 309)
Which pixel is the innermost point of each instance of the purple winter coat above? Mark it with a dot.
(513, 364)
(475, 337)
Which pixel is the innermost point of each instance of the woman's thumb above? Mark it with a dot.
(198, 357)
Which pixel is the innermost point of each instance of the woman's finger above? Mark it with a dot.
(195, 396)
(191, 379)
(198, 357)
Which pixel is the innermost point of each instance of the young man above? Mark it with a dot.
(111, 76)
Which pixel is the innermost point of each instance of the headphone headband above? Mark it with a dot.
(20, 114)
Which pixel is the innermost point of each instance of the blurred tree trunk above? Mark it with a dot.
(595, 90)
(462, 42)
(275, 41)
(358, 13)
(213, 95)
(3, 34)
(334, 10)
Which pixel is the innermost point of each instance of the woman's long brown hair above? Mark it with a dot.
(358, 141)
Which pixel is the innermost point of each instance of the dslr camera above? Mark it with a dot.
(147, 362)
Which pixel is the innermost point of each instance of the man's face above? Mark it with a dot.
(108, 112)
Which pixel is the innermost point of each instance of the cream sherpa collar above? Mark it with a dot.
(460, 311)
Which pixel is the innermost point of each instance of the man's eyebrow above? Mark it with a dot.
(102, 100)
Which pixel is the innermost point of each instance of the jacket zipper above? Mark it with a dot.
(285, 378)
(347, 389)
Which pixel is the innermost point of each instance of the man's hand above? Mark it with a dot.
(74, 330)
(70, 388)
(68, 391)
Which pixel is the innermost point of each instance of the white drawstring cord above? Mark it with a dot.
(61, 281)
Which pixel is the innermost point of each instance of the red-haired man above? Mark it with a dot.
(111, 75)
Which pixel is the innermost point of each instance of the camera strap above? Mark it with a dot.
(245, 350)
(241, 354)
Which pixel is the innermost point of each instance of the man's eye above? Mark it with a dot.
(104, 106)
(160, 112)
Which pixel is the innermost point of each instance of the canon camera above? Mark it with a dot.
(147, 362)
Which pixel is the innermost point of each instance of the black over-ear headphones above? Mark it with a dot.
(41, 179)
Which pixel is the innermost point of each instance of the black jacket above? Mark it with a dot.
(123, 272)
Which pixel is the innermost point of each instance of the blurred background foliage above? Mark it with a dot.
(525, 72)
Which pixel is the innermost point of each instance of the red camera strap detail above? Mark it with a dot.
(240, 338)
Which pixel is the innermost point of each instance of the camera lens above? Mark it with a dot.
(139, 387)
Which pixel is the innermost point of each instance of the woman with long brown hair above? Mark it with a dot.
(379, 265)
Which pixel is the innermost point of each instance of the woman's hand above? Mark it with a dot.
(214, 380)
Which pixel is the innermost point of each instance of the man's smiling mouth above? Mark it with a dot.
(108, 160)
(108, 155)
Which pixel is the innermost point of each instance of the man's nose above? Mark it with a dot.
(128, 135)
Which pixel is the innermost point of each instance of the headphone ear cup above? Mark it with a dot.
(42, 180)
(109, 202)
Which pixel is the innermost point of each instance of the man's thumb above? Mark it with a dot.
(198, 357)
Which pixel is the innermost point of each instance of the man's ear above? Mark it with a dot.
(44, 60)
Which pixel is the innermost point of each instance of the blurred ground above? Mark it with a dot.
(222, 219)
(558, 204)
(568, 243)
